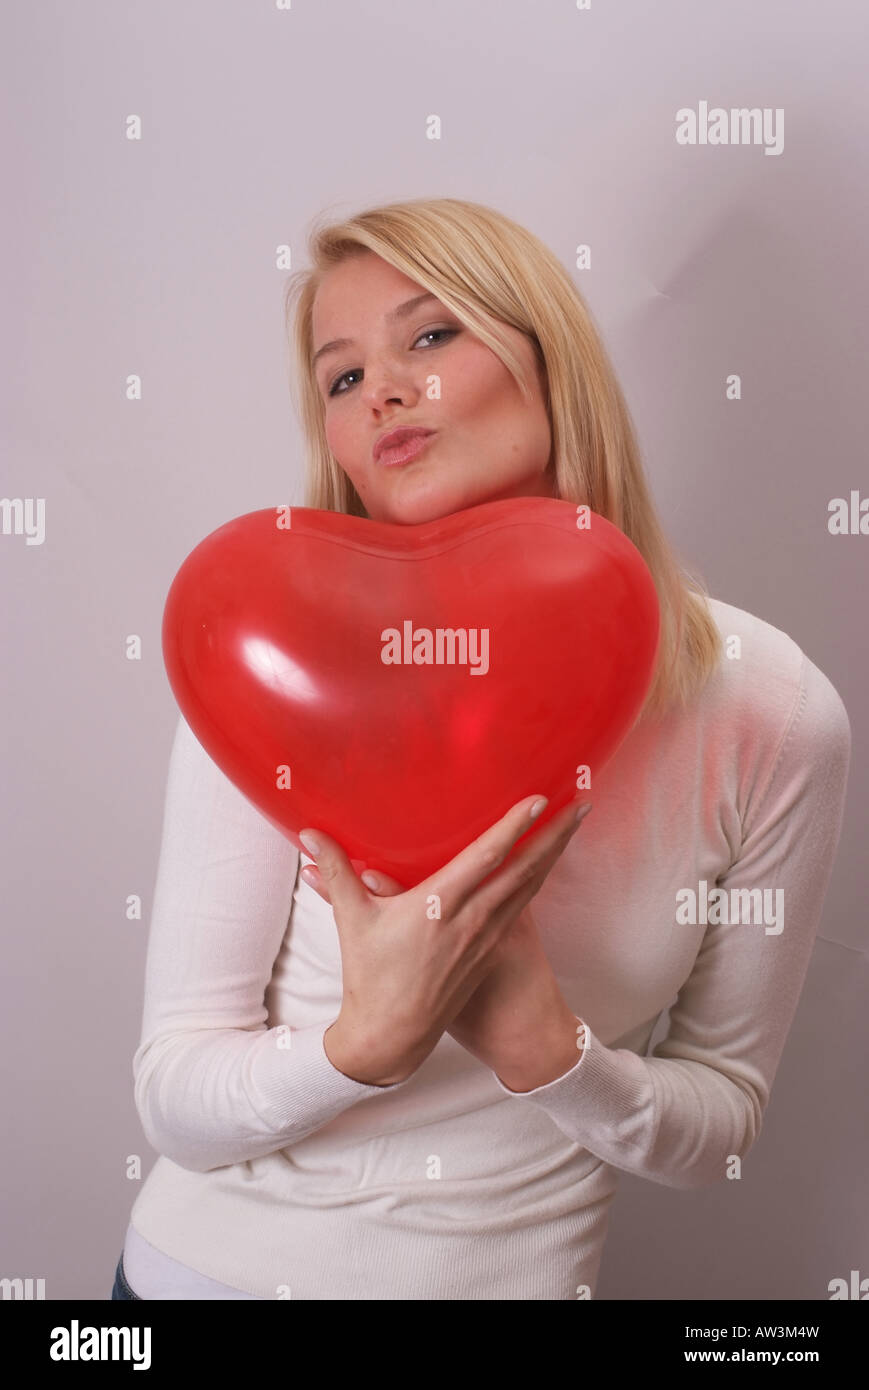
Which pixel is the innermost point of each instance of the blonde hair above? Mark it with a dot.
(489, 271)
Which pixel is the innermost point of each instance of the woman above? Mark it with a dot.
(351, 1102)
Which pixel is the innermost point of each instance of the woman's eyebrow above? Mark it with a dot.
(401, 312)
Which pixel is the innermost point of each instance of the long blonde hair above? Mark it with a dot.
(490, 270)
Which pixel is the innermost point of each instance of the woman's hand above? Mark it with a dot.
(517, 1021)
(413, 959)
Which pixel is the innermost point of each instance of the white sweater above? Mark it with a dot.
(279, 1177)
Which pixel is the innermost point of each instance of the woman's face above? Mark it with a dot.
(488, 442)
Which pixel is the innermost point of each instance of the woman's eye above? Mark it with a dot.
(333, 389)
(429, 332)
(354, 371)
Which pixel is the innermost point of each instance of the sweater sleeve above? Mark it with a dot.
(677, 1115)
(213, 1084)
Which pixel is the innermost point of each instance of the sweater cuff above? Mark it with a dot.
(296, 1080)
(608, 1092)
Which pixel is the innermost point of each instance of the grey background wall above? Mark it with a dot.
(159, 256)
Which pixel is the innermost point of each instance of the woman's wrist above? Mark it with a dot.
(545, 1054)
(358, 1062)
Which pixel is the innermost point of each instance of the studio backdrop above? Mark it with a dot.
(700, 171)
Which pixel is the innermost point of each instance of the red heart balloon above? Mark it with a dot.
(401, 687)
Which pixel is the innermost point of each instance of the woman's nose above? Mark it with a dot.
(384, 383)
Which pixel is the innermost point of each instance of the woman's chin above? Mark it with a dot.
(414, 511)
(437, 504)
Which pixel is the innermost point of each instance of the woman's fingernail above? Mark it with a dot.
(310, 841)
(539, 807)
(581, 813)
(369, 879)
(309, 874)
